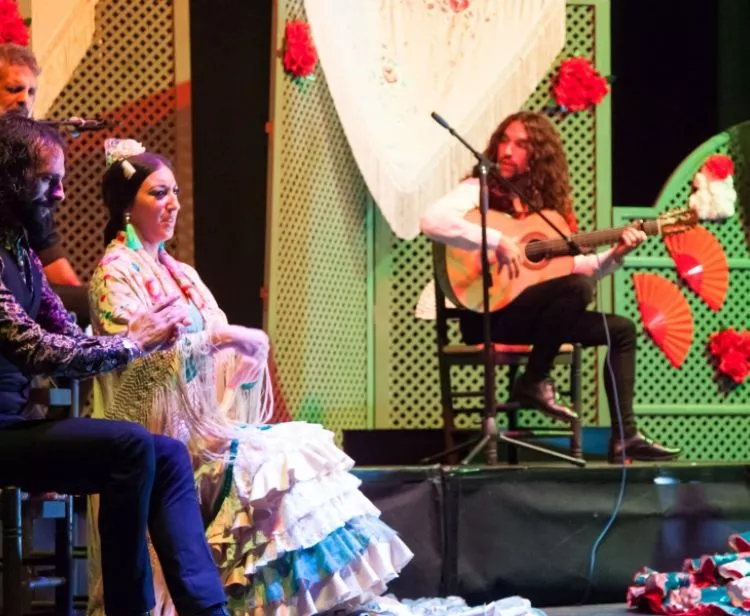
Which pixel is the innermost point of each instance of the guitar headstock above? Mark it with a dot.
(677, 221)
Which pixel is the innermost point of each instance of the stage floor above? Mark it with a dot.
(484, 533)
(590, 610)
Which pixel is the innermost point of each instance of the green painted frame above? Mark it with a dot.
(671, 190)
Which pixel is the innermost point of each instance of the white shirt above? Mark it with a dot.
(445, 222)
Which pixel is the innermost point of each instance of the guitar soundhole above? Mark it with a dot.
(534, 257)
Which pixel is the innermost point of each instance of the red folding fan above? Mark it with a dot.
(665, 315)
(701, 263)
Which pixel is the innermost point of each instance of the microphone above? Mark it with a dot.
(439, 119)
(78, 125)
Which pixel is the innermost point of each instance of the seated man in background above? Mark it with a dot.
(19, 73)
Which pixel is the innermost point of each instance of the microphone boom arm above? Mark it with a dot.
(494, 169)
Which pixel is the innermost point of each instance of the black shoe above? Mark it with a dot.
(640, 448)
(541, 396)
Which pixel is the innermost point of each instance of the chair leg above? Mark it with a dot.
(13, 591)
(449, 424)
(449, 455)
(512, 415)
(64, 560)
(576, 445)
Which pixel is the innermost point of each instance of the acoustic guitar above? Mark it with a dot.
(546, 254)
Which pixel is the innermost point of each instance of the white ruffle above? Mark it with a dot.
(260, 541)
(346, 589)
(272, 460)
(308, 496)
(316, 526)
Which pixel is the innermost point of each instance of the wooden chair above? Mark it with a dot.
(23, 570)
(452, 354)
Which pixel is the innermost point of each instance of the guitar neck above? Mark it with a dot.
(546, 249)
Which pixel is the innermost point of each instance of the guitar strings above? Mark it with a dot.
(555, 246)
(674, 221)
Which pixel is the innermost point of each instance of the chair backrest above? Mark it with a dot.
(443, 314)
(58, 397)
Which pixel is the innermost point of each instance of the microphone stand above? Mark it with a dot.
(490, 434)
(512, 188)
(75, 126)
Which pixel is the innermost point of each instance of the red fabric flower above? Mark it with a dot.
(578, 85)
(732, 349)
(724, 341)
(718, 166)
(734, 365)
(300, 56)
(12, 27)
(744, 346)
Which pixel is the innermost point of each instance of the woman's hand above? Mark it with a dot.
(252, 343)
(247, 370)
(160, 327)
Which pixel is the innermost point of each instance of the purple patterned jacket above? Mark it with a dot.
(36, 334)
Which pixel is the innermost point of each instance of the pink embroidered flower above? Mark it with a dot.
(152, 288)
(389, 73)
(458, 6)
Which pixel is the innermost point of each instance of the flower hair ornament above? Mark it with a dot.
(121, 149)
(714, 195)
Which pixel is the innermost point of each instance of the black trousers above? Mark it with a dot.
(145, 481)
(554, 312)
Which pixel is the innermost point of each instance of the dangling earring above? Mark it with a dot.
(131, 237)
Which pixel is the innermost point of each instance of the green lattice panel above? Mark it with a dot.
(413, 386)
(318, 317)
(688, 406)
(702, 437)
(127, 73)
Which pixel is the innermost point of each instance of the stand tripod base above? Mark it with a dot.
(488, 443)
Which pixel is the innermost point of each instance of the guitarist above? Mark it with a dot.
(529, 153)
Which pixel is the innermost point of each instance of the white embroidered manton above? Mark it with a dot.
(390, 63)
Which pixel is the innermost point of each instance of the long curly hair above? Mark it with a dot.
(547, 182)
(23, 144)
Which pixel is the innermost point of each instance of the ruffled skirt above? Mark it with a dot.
(290, 530)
